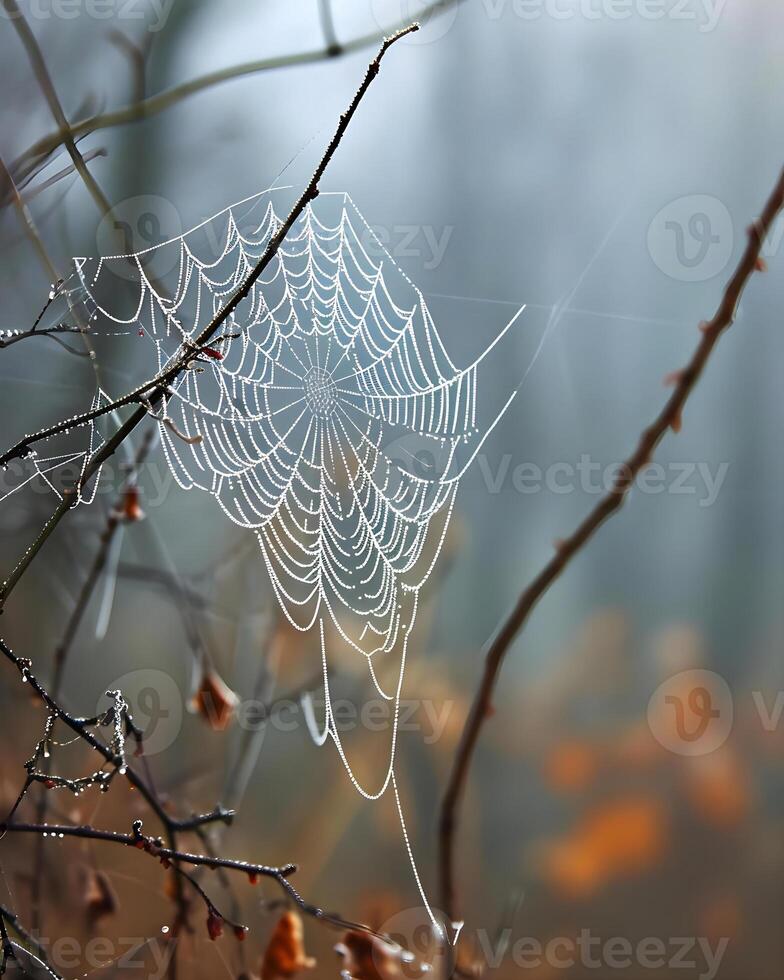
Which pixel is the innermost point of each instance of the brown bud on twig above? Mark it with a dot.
(214, 925)
(131, 508)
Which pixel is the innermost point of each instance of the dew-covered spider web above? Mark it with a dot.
(327, 418)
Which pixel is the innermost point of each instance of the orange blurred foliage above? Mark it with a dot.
(718, 789)
(571, 766)
(616, 839)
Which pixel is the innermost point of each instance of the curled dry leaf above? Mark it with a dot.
(100, 899)
(285, 954)
(214, 700)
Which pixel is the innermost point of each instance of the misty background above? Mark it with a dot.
(601, 169)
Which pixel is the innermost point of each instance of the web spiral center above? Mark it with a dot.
(320, 391)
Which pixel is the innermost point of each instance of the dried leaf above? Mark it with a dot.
(215, 701)
(100, 899)
(285, 954)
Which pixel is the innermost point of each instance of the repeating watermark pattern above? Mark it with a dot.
(439, 18)
(158, 707)
(705, 14)
(426, 243)
(697, 479)
(696, 954)
(150, 958)
(155, 13)
(691, 712)
(414, 937)
(414, 947)
(141, 223)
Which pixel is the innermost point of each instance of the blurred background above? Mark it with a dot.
(599, 161)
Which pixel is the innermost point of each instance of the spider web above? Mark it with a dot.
(329, 418)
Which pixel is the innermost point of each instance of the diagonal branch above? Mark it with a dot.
(668, 418)
(158, 386)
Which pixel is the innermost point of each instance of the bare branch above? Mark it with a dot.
(180, 362)
(668, 418)
(44, 79)
(151, 106)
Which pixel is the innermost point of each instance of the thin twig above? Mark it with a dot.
(10, 337)
(164, 100)
(44, 185)
(6, 949)
(8, 186)
(137, 57)
(81, 727)
(668, 418)
(113, 524)
(167, 856)
(331, 45)
(31, 946)
(151, 845)
(172, 825)
(159, 385)
(44, 79)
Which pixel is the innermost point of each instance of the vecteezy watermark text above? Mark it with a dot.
(154, 12)
(587, 475)
(694, 953)
(704, 13)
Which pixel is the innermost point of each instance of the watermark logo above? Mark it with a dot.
(691, 713)
(419, 944)
(691, 239)
(135, 225)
